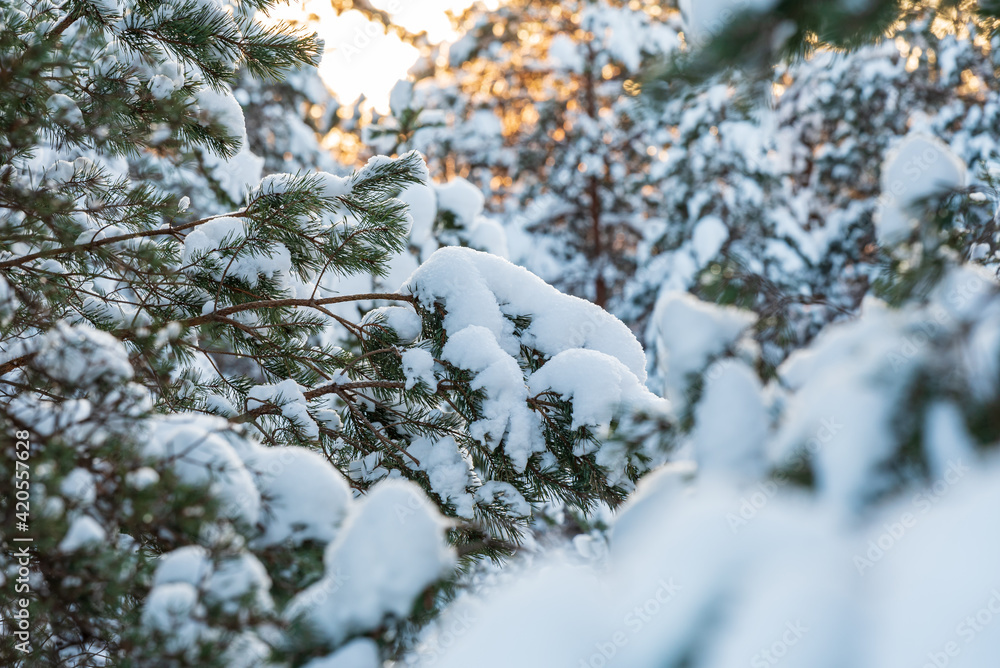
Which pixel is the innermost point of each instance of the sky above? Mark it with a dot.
(359, 57)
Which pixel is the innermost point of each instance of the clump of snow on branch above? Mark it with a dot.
(390, 549)
(919, 167)
(481, 296)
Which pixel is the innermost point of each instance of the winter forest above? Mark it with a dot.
(500, 334)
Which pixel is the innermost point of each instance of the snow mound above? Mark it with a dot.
(391, 549)
(598, 385)
(293, 483)
(688, 333)
(484, 290)
(920, 166)
(198, 452)
(463, 199)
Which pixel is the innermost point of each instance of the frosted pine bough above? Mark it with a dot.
(564, 165)
(843, 517)
(218, 420)
(219, 554)
(824, 520)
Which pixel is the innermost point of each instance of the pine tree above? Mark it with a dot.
(868, 463)
(196, 403)
(536, 108)
(771, 203)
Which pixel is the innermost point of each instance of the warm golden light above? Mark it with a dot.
(360, 57)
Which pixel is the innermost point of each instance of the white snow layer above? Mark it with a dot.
(733, 566)
(243, 170)
(389, 550)
(733, 445)
(688, 334)
(288, 396)
(463, 199)
(361, 653)
(707, 19)
(294, 482)
(598, 386)
(197, 450)
(594, 362)
(83, 531)
(919, 167)
(227, 235)
(748, 577)
(480, 289)
(448, 469)
(418, 365)
(379, 555)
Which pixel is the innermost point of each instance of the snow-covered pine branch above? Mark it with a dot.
(249, 444)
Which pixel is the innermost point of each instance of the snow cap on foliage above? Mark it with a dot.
(400, 97)
(707, 239)
(191, 564)
(303, 496)
(481, 289)
(174, 611)
(196, 448)
(401, 319)
(81, 355)
(360, 653)
(83, 532)
(733, 444)
(626, 34)
(516, 627)
(230, 581)
(481, 294)
(920, 166)
(327, 185)
(64, 108)
(836, 416)
(851, 387)
(462, 198)
(448, 470)
(221, 106)
(287, 395)
(390, 549)
(421, 200)
(238, 583)
(688, 333)
(467, 203)
(489, 236)
(243, 170)
(418, 366)
(706, 19)
(495, 491)
(206, 241)
(683, 564)
(505, 409)
(598, 385)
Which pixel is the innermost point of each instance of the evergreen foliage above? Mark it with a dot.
(180, 356)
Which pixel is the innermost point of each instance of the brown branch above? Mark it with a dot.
(361, 416)
(341, 391)
(284, 303)
(270, 409)
(16, 363)
(52, 252)
(62, 26)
